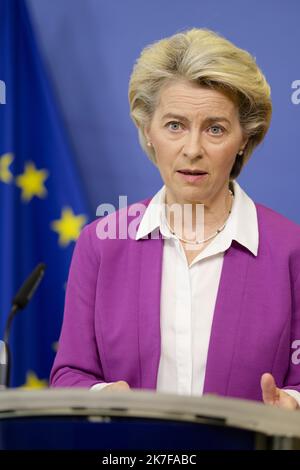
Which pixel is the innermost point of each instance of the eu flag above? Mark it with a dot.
(42, 208)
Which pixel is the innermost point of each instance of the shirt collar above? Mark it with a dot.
(242, 224)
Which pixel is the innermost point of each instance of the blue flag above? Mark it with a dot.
(42, 208)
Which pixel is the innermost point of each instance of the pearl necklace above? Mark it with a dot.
(198, 242)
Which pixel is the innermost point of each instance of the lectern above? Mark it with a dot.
(100, 420)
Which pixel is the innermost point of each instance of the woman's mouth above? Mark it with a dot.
(191, 176)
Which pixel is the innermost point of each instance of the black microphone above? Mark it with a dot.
(19, 302)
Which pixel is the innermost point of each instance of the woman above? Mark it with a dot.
(194, 304)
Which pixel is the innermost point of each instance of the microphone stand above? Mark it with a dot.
(19, 302)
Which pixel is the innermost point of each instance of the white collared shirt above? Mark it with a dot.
(188, 292)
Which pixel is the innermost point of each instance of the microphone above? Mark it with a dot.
(19, 302)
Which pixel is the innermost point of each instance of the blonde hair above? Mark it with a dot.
(204, 57)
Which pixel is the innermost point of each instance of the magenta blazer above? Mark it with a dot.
(111, 327)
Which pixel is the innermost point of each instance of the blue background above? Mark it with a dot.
(31, 130)
(90, 47)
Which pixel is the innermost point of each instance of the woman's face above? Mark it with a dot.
(195, 129)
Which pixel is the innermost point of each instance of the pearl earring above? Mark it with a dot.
(149, 144)
(241, 152)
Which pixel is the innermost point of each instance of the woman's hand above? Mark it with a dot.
(121, 385)
(273, 395)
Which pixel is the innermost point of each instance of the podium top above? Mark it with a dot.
(213, 409)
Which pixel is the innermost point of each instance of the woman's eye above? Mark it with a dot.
(217, 130)
(174, 125)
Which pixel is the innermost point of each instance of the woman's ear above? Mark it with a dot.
(245, 142)
(147, 132)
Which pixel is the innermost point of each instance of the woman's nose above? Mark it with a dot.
(193, 145)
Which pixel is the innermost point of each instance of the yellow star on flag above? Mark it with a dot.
(5, 161)
(33, 382)
(32, 182)
(68, 226)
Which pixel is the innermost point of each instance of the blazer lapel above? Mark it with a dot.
(227, 316)
(149, 310)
